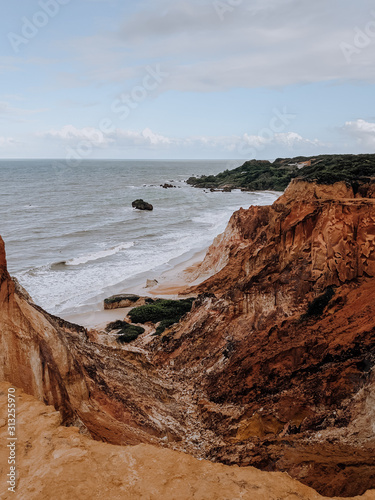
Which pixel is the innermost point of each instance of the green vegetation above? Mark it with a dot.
(253, 176)
(127, 332)
(164, 324)
(116, 325)
(256, 175)
(329, 169)
(167, 312)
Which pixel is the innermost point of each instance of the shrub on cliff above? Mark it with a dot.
(328, 169)
(166, 323)
(161, 310)
(252, 175)
(255, 175)
(116, 325)
(127, 337)
(127, 331)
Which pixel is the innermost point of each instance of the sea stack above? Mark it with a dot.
(142, 205)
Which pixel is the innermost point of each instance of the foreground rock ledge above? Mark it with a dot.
(57, 462)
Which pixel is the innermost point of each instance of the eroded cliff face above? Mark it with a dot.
(247, 377)
(60, 463)
(283, 387)
(111, 394)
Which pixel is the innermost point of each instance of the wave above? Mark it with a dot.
(83, 259)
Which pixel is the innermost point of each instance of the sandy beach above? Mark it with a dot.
(170, 284)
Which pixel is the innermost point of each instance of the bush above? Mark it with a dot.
(133, 329)
(166, 323)
(116, 325)
(127, 337)
(161, 310)
(128, 332)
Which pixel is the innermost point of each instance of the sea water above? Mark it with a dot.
(72, 236)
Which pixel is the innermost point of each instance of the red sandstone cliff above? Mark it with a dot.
(247, 377)
(286, 390)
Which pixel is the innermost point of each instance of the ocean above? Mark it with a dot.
(72, 237)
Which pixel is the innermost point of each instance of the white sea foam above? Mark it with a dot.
(83, 259)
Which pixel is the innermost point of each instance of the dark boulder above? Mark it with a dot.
(142, 205)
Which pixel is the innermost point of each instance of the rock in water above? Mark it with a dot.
(142, 205)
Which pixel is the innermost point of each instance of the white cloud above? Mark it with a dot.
(149, 136)
(7, 141)
(291, 140)
(150, 140)
(72, 135)
(362, 131)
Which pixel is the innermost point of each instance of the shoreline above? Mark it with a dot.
(171, 283)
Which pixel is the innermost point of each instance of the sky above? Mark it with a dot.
(161, 79)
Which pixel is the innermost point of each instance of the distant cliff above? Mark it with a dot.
(255, 175)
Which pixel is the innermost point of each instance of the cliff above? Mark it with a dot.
(282, 338)
(57, 462)
(273, 367)
(112, 394)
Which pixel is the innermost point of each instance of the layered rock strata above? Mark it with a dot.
(57, 462)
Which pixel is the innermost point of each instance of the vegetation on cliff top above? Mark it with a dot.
(257, 175)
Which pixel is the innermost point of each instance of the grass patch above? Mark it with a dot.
(167, 312)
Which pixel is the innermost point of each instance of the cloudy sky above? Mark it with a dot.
(186, 79)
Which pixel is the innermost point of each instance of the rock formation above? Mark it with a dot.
(125, 300)
(283, 387)
(142, 205)
(273, 367)
(57, 462)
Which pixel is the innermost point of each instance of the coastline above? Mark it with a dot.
(173, 278)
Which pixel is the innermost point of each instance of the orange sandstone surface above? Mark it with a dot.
(57, 462)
